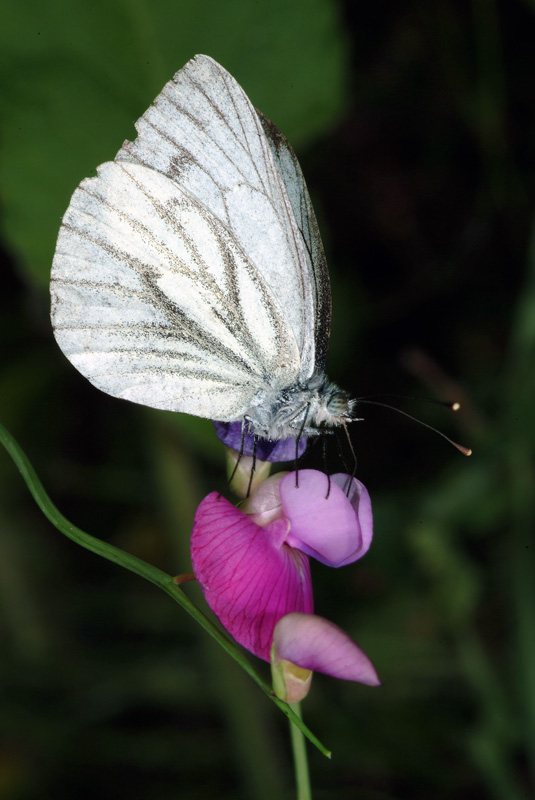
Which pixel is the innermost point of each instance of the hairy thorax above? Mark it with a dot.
(302, 410)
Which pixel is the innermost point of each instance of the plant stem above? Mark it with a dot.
(156, 576)
(302, 777)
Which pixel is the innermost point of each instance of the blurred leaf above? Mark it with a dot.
(196, 433)
(76, 77)
(455, 584)
(470, 493)
(520, 424)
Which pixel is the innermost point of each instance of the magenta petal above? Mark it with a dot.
(249, 577)
(315, 643)
(324, 522)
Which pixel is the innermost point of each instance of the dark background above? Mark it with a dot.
(415, 126)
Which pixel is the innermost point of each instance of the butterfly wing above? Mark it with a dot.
(203, 132)
(294, 181)
(182, 278)
(153, 300)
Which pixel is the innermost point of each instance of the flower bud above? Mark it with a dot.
(290, 682)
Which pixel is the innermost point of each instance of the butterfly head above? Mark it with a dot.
(339, 404)
(330, 407)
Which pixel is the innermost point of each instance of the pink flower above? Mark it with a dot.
(304, 643)
(252, 562)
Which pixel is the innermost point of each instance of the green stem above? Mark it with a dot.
(302, 777)
(156, 576)
(249, 722)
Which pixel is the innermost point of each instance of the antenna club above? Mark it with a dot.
(456, 407)
(461, 448)
(466, 451)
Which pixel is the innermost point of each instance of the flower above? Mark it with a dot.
(230, 433)
(245, 473)
(252, 562)
(305, 643)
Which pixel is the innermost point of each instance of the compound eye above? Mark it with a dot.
(338, 404)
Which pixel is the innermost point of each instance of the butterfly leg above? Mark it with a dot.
(240, 455)
(253, 465)
(298, 438)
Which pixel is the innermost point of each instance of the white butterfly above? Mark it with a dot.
(189, 275)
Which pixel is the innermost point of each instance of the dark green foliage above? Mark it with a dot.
(415, 127)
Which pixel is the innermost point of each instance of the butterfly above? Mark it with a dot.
(189, 274)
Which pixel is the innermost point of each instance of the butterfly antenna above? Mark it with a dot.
(466, 451)
(444, 403)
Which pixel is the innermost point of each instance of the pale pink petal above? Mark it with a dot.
(362, 505)
(264, 505)
(314, 643)
(244, 479)
(325, 522)
(249, 577)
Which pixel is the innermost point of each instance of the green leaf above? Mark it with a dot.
(74, 80)
(144, 570)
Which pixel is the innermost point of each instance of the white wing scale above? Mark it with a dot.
(168, 263)
(294, 182)
(203, 132)
(153, 302)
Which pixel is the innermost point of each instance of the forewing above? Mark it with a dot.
(296, 188)
(203, 133)
(154, 301)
